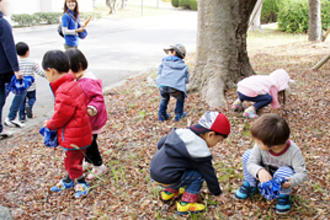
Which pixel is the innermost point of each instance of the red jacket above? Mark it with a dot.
(70, 117)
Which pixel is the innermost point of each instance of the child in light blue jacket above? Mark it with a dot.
(172, 77)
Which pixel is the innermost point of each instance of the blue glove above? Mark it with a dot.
(50, 137)
(271, 189)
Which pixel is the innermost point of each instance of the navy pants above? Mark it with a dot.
(165, 93)
(30, 99)
(259, 101)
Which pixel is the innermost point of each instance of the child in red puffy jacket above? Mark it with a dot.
(96, 108)
(69, 119)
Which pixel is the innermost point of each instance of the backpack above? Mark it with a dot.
(59, 29)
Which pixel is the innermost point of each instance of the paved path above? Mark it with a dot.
(115, 49)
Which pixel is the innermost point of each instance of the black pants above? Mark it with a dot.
(93, 154)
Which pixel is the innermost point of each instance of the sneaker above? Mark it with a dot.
(163, 117)
(28, 111)
(97, 171)
(178, 117)
(167, 196)
(245, 191)
(250, 113)
(237, 106)
(5, 134)
(186, 208)
(283, 204)
(81, 190)
(60, 186)
(13, 123)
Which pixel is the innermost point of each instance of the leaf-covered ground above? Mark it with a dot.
(28, 169)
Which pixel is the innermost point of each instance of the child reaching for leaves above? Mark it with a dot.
(69, 119)
(262, 90)
(96, 108)
(273, 156)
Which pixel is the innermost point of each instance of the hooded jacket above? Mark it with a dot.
(173, 72)
(70, 117)
(179, 151)
(92, 88)
(265, 84)
(8, 57)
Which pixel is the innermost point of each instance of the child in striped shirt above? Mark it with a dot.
(24, 102)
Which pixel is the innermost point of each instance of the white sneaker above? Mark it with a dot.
(97, 171)
(13, 123)
(5, 134)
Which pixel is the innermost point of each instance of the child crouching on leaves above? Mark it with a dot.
(262, 90)
(96, 108)
(69, 119)
(273, 156)
(184, 159)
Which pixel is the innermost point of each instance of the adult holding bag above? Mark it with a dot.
(71, 28)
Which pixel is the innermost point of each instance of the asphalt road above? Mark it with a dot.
(115, 49)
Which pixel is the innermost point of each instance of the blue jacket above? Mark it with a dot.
(8, 57)
(173, 72)
(179, 151)
(71, 24)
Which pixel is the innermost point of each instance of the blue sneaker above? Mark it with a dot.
(60, 186)
(283, 204)
(81, 189)
(178, 117)
(163, 117)
(245, 191)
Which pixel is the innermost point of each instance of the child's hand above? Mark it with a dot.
(18, 75)
(91, 112)
(286, 184)
(264, 176)
(45, 124)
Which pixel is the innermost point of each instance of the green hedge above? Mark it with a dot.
(293, 17)
(41, 18)
(188, 4)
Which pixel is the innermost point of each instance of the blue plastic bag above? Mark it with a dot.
(50, 137)
(18, 86)
(271, 189)
(82, 35)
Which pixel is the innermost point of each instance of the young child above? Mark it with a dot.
(28, 68)
(70, 119)
(184, 159)
(96, 108)
(262, 90)
(273, 156)
(172, 77)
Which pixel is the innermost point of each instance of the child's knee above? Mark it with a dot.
(284, 172)
(246, 156)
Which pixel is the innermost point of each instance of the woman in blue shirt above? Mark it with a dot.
(70, 24)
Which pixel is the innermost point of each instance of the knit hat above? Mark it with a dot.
(212, 121)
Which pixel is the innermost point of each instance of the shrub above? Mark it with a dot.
(193, 5)
(175, 3)
(24, 20)
(270, 10)
(293, 17)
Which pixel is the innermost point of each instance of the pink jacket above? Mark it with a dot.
(92, 88)
(265, 84)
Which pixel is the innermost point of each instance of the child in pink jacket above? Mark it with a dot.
(96, 108)
(262, 90)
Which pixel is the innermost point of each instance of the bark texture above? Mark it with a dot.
(221, 58)
(315, 25)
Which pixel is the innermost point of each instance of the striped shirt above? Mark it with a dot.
(28, 67)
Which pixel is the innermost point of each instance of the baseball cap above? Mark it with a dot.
(212, 121)
(178, 48)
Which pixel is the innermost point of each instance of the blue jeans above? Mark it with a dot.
(260, 100)
(165, 93)
(192, 180)
(280, 172)
(3, 97)
(15, 105)
(31, 99)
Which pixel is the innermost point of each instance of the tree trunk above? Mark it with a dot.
(255, 17)
(221, 58)
(315, 25)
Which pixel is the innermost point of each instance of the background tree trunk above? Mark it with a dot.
(315, 25)
(221, 58)
(255, 23)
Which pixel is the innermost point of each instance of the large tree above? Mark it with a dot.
(315, 25)
(222, 57)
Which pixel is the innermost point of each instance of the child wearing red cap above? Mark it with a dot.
(184, 159)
